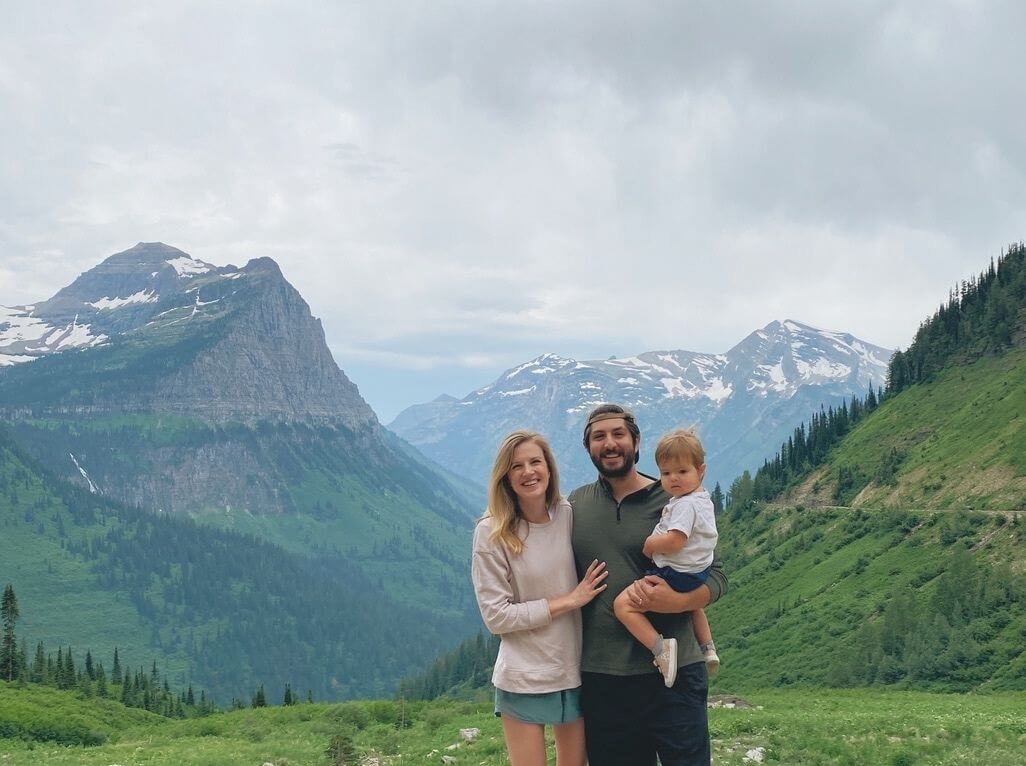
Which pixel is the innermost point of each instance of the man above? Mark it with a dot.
(630, 716)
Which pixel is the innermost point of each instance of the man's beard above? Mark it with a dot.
(615, 473)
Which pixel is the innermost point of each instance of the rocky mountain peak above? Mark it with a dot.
(741, 398)
(235, 344)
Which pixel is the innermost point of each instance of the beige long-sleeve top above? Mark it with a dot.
(537, 654)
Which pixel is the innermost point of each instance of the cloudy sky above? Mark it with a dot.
(459, 187)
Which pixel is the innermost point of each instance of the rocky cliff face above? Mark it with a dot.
(206, 389)
(168, 333)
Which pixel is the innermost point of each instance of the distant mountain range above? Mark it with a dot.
(743, 402)
(162, 382)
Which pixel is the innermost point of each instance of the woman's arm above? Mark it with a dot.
(494, 592)
(492, 578)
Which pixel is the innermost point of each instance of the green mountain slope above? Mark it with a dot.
(223, 610)
(840, 597)
(956, 441)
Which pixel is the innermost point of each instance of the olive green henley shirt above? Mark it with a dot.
(615, 533)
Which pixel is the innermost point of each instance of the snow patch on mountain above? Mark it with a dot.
(188, 267)
(106, 304)
(24, 337)
(16, 324)
(82, 471)
(518, 392)
(7, 360)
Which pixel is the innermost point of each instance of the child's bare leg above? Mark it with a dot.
(700, 624)
(636, 622)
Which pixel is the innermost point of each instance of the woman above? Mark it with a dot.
(527, 590)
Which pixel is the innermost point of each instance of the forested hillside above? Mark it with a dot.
(218, 608)
(948, 433)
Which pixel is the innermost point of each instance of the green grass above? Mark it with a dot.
(808, 726)
(805, 583)
(960, 439)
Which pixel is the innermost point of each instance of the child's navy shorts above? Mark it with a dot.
(682, 582)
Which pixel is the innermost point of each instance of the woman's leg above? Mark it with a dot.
(525, 742)
(570, 743)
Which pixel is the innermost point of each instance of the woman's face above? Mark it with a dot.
(528, 476)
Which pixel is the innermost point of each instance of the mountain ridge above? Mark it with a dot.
(738, 399)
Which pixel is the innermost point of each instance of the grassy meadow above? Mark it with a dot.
(808, 726)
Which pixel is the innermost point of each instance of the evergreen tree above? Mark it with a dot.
(259, 699)
(8, 646)
(288, 699)
(38, 674)
(115, 672)
(717, 499)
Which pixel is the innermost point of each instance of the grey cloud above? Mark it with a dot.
(493, 180)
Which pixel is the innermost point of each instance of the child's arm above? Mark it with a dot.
(668, 542)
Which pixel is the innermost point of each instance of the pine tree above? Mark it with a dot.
(259, 699)
(9, 647)
(115, 673)
(717, 499)
(38, 674)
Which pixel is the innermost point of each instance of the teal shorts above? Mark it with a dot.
(552, 707)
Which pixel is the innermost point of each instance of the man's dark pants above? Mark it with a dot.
(628, 720)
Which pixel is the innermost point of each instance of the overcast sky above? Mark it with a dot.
(459, 187)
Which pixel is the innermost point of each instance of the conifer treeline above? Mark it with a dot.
(469, 664)
(291, 616)
(805, 449)
(147, 690)
(141, 689)
(980, 316)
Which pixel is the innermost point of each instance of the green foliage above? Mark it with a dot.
(889, 597)
(292, 616)
(806, 448)
(467, 667)
(981, 316)
(804, 725)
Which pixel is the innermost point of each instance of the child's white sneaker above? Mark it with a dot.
(712, 662)
(666, 661)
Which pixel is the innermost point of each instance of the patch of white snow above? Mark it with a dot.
(143, 296)
(187, 267)
(81, 470)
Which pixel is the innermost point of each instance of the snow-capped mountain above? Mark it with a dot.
(743, 402)
(187, 387)
(169, 333)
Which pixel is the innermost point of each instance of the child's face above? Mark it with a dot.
(680, 477)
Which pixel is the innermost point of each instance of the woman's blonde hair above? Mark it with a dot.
(503, 509)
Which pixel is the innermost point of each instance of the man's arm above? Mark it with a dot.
(653, 594)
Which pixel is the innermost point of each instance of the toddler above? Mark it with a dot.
(681, 547)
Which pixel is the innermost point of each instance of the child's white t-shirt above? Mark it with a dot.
(695, 516)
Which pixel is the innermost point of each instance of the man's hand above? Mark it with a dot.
(652, 594)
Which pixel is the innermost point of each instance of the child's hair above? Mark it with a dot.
(502, 501)
(682, 444)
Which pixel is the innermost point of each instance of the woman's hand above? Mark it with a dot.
(590, 586)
